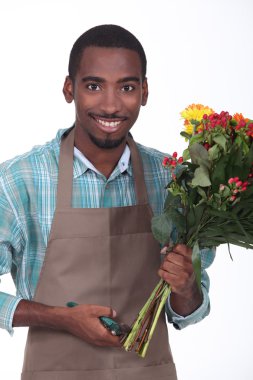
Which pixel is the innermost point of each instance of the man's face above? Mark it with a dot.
(108, 92)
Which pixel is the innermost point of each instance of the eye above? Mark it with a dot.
(93, 87)
(127, 88)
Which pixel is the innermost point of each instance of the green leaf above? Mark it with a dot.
(196, 138)
(186, 135)
(172, 201)
(248, 194)
(201, 177)
(180, 169)
(214, 152)
(242, 141)
(179, 221)
(191, 219)
(249, 157)
(220, 140)
(202, 193)
(235, 166)
(226, 192)
(199, 155)
(199, 211)
(190, 166)
(233, 122)
(218, 175)
(196, 262)
(195, 122)
(162, 228)
(194, 216)
(186, 155)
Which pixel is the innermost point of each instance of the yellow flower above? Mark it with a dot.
(194, 112)
(188, 127)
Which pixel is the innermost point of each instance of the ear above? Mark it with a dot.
(144, 92)
(68, 90)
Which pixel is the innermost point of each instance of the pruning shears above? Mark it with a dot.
(107, 322)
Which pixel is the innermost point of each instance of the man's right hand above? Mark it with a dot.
(81, 321)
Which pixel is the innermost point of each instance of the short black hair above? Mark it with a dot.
(107, 35)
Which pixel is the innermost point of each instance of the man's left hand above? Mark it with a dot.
(177, 270)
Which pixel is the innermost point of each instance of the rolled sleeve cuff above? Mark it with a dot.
(180, 322)
(8, 305)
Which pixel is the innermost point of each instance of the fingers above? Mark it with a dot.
(175, 259)
(182, 249)
(98, 311)
(176, 280)
(84, 322)
(177, 269)
(105, 337)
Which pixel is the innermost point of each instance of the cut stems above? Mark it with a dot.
(144, 326)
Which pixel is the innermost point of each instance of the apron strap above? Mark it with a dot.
(138, 172)
(65, 176)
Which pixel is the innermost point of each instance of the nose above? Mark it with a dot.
(111, 102)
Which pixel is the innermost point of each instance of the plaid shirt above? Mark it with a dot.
(28, 185)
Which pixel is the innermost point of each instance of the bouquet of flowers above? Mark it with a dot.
(209, 200)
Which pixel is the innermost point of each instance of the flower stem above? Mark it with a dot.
(144, 326)
(142, 352)
(132, 337)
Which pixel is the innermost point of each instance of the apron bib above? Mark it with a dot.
(103, 256)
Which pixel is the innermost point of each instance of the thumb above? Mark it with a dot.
(164, 250)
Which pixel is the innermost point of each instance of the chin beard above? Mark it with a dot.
(106, 143)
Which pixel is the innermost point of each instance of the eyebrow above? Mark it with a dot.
(102, 80)
(129, 79)
(93, 79)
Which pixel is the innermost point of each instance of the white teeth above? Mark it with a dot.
(109, 124)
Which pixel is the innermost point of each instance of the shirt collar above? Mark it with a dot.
(122, 164)
(82, 164)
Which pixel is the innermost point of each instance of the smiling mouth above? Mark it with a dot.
(109, 122)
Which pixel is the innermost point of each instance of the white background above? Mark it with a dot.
(198, 51)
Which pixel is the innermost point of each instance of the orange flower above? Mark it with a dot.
(238, 117)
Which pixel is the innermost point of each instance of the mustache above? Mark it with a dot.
(108, 116)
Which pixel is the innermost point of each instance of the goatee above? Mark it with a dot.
(106, 143)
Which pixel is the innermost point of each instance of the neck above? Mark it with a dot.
(104, 160)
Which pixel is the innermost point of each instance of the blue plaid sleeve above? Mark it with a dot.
(8, 243)
(8, 304)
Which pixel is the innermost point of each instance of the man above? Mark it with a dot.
(76, 227)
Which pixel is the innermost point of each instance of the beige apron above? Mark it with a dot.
(103, 256)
